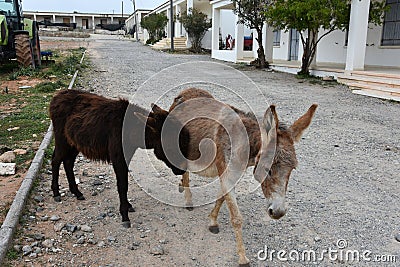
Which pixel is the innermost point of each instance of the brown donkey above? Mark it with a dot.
(270, 148)
(106, 130)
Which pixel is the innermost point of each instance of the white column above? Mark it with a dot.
(112, 19)
(178, 32)
(73, 19)
(239, 39)
(54, 18)
(358, 29)
(169, 23)
(269, 43)
(34, 17)
(94, 25)
(215, 30)
(190, 5)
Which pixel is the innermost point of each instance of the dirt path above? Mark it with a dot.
(345, 188)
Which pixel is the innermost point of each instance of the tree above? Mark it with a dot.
(154, 24)
(252, 13)
(309, 16)
(196, 25)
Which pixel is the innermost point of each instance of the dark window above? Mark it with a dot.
(277, 37)
(391, 24)
(103, 21)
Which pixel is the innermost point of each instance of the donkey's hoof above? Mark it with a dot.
(126, 224)
(57, 199)
(81, 197)
(213, 229)
(181, 188)
(244, 265)
(131, 209)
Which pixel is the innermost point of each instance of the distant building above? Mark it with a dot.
(130, 22)
(85, 21)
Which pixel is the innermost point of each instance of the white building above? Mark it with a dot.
(85, 21)
(131, 22)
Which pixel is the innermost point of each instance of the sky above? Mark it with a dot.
(95, 6)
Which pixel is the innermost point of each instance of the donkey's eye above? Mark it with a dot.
(269, 172)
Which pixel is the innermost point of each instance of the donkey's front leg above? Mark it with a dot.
(237, 221)
(213, 226)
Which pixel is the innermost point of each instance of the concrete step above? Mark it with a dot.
(377, 94)
(363, 85)
(384, 81)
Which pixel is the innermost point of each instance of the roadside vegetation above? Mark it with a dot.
(25, 95)
(24, 109)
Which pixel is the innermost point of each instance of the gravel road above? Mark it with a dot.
(344, 195)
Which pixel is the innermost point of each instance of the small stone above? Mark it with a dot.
(85, 173)
(70, 227)
(163, 241)
(317, 239)
(81, 240)
(48, 243)
(101, 244)
(38, 199)
(86, 228)
(111, 239)
(97, 183)
(44, 218)
(397, 237)
(7, 157)
(54, 218)
(17, 248)
(59, 226)
(26, 250)
(20, 151)
(33, 255)
(7, 168)
(134, 246)
(38, 237)
(34, 135)
(157, 250)
(94, 193)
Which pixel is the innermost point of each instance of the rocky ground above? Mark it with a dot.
(344, 194)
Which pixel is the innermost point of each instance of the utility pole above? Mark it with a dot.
(136, 21)
(171, 17)
(122, 10)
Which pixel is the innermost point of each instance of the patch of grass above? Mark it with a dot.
(30, 110)
(12, 254)
(64, 65)
(48, 87)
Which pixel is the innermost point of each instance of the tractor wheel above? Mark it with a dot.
(24, 50)
(36, 48)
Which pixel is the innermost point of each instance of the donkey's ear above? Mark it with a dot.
(156, 109)
(270, 120)
(302, 123)
(148, 121)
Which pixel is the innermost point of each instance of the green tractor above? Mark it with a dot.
(19, 36)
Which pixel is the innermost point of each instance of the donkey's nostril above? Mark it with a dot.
(270, 212)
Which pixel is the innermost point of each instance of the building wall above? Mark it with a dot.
(332, 49)
(59, 18)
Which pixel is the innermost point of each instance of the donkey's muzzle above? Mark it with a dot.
(276, 213)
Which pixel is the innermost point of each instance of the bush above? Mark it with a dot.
(196, 25)
(154, 24)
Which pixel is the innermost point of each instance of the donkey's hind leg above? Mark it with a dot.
(188, 193)
(69, 162)
(213, 226)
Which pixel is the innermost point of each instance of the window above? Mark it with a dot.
(391, 24)
(277, 37)
(103, 21)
